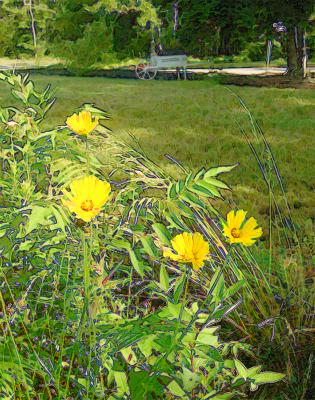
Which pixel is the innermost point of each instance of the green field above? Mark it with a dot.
(196, 122)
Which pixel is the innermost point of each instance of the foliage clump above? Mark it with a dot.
(116, 304)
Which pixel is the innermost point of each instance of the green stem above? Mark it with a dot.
(188, 273)
(173, 346)
(14, 343)
(86, 270)
(87, 153)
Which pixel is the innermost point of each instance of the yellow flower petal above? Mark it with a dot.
(239, 218)
(239, 232)
(190, 248)
(86, 197)
(82, 123)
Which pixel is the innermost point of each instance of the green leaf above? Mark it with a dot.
(241, 369)
(146, 386)
(207, 336)
(164, 278)
(175, 389)
(189, 179)
(178, 290)
(149, 246)
(120, 244)
(190, 379)
(174, 220)
(191, 199)
(231, 290)
(129, 355)
(224, 396)
(39, 216)
(200, 174)
(146, 345)
(121, 382)
(210, 188)
(19, 95)
(135, 263)
(219, 170)
(267, 377)
(217, 183)
(217, 286)
(180, 186)
(171, 191)
(26, 245)
(201, 189)
(253, 371)
(162, 233)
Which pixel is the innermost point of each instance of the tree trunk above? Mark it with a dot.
(295, 53)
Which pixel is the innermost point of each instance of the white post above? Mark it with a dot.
(269, 51)
(305, 56)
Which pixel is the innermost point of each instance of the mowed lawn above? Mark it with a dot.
(196, 122)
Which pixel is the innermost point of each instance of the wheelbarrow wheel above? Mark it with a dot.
(145, 72)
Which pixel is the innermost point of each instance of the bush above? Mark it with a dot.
(116, 302)
(94, 47)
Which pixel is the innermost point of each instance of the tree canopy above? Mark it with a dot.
(87, 32)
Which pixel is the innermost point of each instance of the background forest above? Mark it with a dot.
(97, 32)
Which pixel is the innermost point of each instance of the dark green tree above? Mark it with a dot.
(295, 15)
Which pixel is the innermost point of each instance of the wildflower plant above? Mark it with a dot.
(118, 280)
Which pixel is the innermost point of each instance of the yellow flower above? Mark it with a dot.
(82, 123)
(190, 248)
(239, 231)
(86, 197)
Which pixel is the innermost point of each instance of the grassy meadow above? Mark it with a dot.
(198, 123)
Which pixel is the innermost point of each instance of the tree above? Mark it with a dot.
(295, 15)
(23, 26)
(84, 31)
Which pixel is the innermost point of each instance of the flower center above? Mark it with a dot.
(87, 205)
(236, 233)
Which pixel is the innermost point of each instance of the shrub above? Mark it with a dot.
(104, 296)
